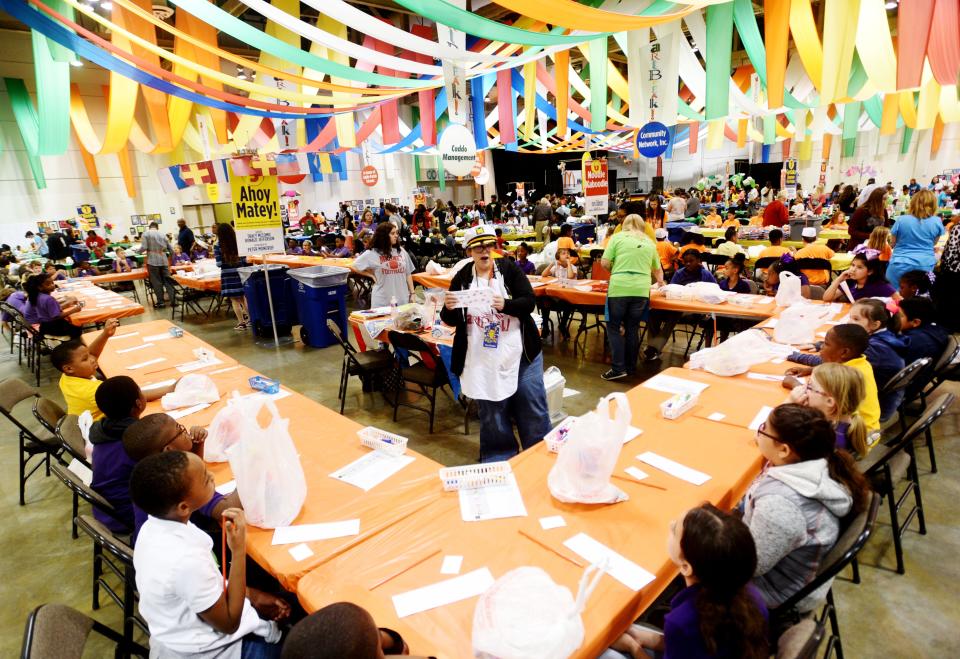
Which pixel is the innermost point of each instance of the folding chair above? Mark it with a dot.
(946, 368)
(363, 364)
(71, 439)
(844, 551)
(899, 383)
(12, 392)
(56, 631)
(885, 466)
(428, 375)
(185, 298)
(115, 555)
(48, 414)
(816, 264)
(803, 640)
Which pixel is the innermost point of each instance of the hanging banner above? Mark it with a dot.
(369, 175)
(658, 65)
(823, 173)
(596, 189)
(653, 140)
(256, 214)
(458, 150)
(790, 177)
(454, 72)
(520, 190)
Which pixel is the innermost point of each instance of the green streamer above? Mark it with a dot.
(905, 142)
(769, 128)
(441, 175)
(598, 84)
(851, 120)
(53, 98)
(58, 52)
(718, 55)
(752, 41)
(858, 76)
(29, 124)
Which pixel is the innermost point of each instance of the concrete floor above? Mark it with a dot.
(916, 614)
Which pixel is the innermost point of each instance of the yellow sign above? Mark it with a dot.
(255, 202)
(213, 192)
(256, 214)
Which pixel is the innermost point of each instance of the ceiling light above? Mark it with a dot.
(890, 5)
(76, 62)
(241, 76)
(106, 5)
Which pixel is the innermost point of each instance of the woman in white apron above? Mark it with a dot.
(496, 348)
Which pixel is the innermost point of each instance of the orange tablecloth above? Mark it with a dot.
(300, 261)
(99, 304)
(111, 277)
(325, 440)
(211, 284)
(443, 281)
(635, 528)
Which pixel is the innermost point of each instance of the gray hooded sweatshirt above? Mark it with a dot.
(794, 514)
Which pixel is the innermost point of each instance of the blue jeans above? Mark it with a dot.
(255, 647)
(527, 408)
(626, 312)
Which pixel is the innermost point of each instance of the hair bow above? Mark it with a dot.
(892, 306)
(867, 252)
(786, 258)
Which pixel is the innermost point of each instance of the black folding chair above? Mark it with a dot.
(887, 465)
(427, 374)
(816, 264)
(366, 365)
(844, 551)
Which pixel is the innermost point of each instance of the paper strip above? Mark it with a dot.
(187, 411)
(552, 522)
(619, 567)
(442, 593)
(134, 367)
(139, 347)
(288, 535)
(674, 468)
(760, 417)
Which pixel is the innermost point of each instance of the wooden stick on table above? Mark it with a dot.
(550, 549)
(406, 569)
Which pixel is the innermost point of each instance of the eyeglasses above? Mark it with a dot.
(762, 430)
(809, 388)
(485, 247)
(181, 430)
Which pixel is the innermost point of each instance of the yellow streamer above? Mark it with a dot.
(715, 134)
(949, 103)
(529, 98)
(840, 21)
(928, 104)
(571, 14)
(875, 45)
(891, 110)
(806, 39)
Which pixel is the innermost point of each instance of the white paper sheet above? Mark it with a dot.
(134, 367)
(442, 593)
(632, 433)
(777, 360)
(492, 502)
(451, 565)
(224, 370)
(288, 535)
(717, 416)
(372, 469)
(300, 552)
(619, 567)
(187, 411)
(139, 347)
(125, 335)
(157, 385)
(82, 471)
(674, 385)
(764, 376)
(637, 473)
(760, 417)
(673, 468)
(762, 299)
(227, 488)
(552, 522)
(197, 365)
(473, 297)
(567, 392)
(158, 337)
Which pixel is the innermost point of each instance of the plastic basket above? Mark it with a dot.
(320, 276)
(558, 436)
(677, 405)
(383, 441)
(470, 477)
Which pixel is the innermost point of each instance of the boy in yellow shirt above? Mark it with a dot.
(78, 364)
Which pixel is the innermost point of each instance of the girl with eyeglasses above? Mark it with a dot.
(795, 507)
(837, 391)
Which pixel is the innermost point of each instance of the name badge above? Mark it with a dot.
(491, 335)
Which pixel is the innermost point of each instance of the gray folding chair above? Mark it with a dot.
(56, 631)
(33, 444)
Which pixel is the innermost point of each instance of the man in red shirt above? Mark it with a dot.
(776, 213)
(94, 241)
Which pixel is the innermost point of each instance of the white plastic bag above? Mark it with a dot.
(525, 615)
(226, 429)
(789, 291)
(85, 420)
(191, 389)
(588, 457)
(708, 292)
(798, 324)
(265, 463)
(433, 268)
(677, 292)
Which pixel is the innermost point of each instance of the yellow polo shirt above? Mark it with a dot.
(870, 406)
(79, 393)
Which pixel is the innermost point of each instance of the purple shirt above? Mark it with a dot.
(681, 627)
(684, 276)
(341, 252)
(872, 289)
(181, 258)
(45, 310)
(111, 472)
(130, 264)
(742, 286)
(842, 440)
(17, 300)
(527, 267)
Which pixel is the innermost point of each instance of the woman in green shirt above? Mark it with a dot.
(632, 259)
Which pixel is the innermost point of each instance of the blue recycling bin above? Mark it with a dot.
(258, 304)
(79, 253)
(320, 292)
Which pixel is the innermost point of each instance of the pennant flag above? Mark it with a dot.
(287, 164)
(170, 179)
(241, 166)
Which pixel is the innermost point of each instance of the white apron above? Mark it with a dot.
(494, 348)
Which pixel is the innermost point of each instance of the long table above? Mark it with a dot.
(99, 304)
(210, 284)
(325, 440)
(636, 528)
